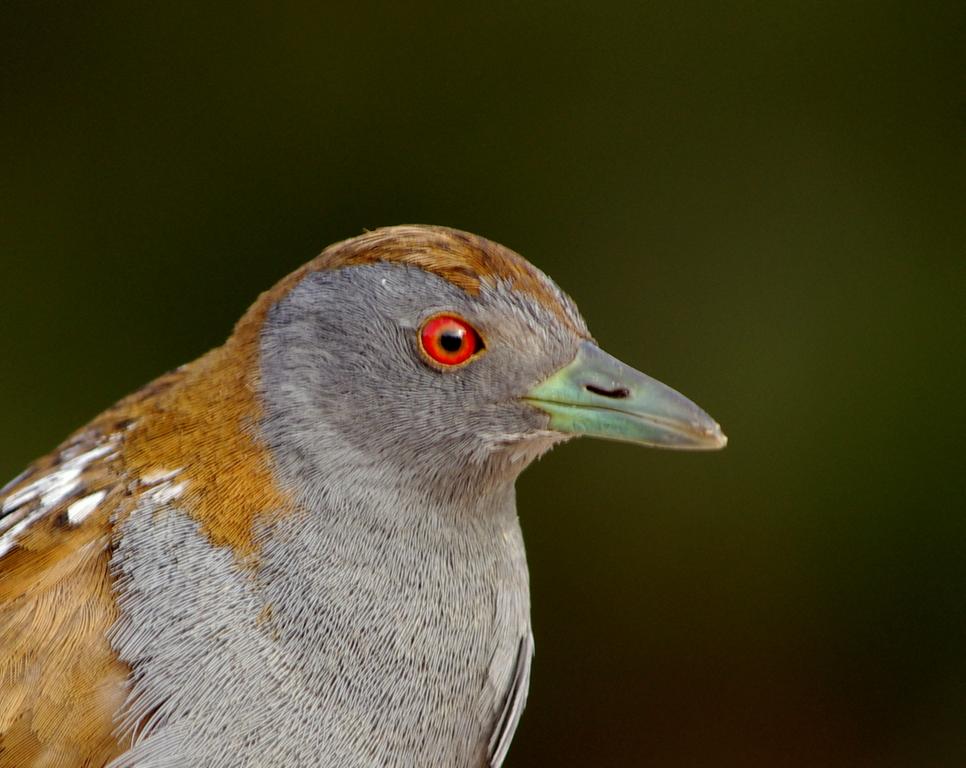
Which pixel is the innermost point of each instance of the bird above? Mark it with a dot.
(303, 548)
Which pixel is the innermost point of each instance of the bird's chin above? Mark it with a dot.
(520, 449)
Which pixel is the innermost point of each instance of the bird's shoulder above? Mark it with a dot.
(186, 440)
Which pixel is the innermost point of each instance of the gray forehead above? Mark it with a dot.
(410, 294)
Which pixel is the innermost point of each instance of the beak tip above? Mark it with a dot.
(716, 438)
(707, 433)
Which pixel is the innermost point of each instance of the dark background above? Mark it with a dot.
(759, 203)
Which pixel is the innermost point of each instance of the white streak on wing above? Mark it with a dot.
(55, 486)
(94, 453)
(79, 510)
(64, 483)
(51, 488)
(19, 499)
(158, 476)
(15, 481)
(8, 539)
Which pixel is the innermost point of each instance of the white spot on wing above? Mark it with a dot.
(159, 488)
(80, 510)
(162, 494)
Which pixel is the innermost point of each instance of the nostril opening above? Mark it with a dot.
(618, 393)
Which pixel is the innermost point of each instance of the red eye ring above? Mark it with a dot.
(449, 341)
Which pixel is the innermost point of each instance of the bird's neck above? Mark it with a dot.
(390, 605)
(352, 497)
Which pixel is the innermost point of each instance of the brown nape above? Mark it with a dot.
(463, 259)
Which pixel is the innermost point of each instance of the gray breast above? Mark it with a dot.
(366, 637)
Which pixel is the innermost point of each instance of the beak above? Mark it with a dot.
(599, 396)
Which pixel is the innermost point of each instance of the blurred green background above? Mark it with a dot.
(761, 204)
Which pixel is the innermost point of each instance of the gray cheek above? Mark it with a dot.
(340, 366)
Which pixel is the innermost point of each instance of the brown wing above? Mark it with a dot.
(60, 682)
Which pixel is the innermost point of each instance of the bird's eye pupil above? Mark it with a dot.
(451, 341)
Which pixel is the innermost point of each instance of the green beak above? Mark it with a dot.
(600, 396)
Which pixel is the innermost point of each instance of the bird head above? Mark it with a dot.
(445, 358)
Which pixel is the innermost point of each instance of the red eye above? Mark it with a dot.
(448, 340)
